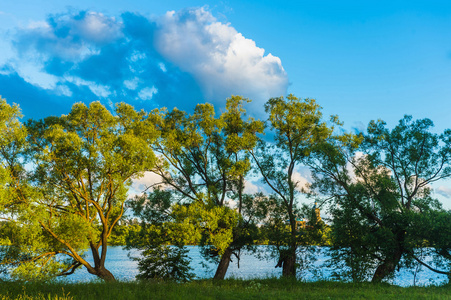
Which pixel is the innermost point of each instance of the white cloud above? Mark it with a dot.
(222, 60)
(99, 90)
(445, 191)
(177, 60)
(140, 185)
(67, 36)
(97, 28)
(147, 93)
(251, 188)
(39, 25)
(131, 84)
(301, 181)
(33, 73)
(162, 67)
(63, 90)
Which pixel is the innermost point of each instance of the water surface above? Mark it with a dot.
(125, 269)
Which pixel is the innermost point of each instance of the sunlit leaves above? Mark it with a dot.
(80, 168)
(298, 128)
(12, 146)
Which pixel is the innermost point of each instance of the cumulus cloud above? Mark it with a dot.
(221, 59)
(176, 60)
(68, 36)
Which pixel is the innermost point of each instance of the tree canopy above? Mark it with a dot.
(65, 183)
(80, 166)
(297, 126)
(379, 184)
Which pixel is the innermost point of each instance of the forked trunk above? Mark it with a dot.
(223, 265)
(99, 264)
(103, 273)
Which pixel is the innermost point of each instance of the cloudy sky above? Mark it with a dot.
(361, 60)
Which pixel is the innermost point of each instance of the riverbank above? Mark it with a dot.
(226, 289)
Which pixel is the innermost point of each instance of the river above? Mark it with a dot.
(125, 269)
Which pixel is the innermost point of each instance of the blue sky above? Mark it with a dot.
(361, 60)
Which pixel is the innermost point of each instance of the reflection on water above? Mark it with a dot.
(125, 269)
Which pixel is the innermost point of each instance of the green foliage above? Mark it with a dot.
(122, 232)
(379, 184)
(80, 166)
(12, 146)
(269, 288)
(203, 160)
(12, 174)
(64, 183)
(165, 263)
(161, 238)
(298, 127)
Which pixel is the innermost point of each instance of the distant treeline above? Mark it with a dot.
(64, 183)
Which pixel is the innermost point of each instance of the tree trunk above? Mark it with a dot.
(289, 265)
(223, 265)
(99, 264)
(103, 273)
(387, 267)
(289, 257)
(287, 261)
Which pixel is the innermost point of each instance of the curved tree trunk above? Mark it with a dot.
(223, 265)
(103, 273)
(99, 264)
(388, 266)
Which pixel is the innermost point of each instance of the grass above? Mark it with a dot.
(226, 289)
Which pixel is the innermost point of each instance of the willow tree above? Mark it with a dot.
(12, 174)
(297, 126)
(12, 146)
(81, 166)
(380, 186)
(203, 159)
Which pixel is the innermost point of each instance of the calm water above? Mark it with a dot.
(125, 269)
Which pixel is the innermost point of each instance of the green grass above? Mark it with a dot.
(227, 289)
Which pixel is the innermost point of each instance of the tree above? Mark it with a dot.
(162, 237)
(81, 165)
(121, 232)
(12, 174)
(297, 126)
(430, 231)
(379, 184)
(203, 160)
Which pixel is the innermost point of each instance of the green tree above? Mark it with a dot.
(12, 147)
(81, 166)
(297, 126)
(430, 231)
(12, 173)
(121, 232)
(162, 237)
(380, 186)
(204, 160)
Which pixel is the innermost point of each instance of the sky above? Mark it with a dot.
(361, 60)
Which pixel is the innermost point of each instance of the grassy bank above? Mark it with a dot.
(227, 289)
